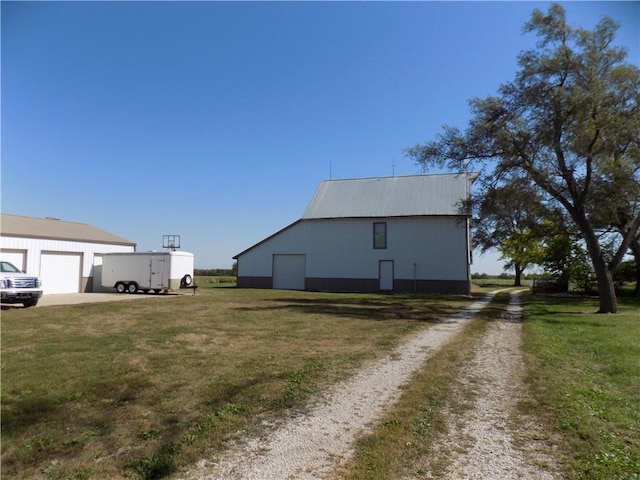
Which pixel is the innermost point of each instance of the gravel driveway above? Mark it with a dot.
(314, 444)
(492, 449)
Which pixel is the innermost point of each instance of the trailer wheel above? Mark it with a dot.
(120, 287)
(157, 290)
(132, 288)
(185, 281)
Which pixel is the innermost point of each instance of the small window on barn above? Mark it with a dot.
(380, 235)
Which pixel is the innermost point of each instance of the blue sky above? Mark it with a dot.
(216, 121)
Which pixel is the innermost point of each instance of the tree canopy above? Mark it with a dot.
(570, 124)
(506, 218)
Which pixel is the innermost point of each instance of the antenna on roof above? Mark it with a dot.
(393, 168)
(330, 173)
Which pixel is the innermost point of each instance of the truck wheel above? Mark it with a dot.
(120, 287)
(30, 303)
(132, 288)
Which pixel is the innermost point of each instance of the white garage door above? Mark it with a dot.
(60, 272)
(14, 256)
(288, 272)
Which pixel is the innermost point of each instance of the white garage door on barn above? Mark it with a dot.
(60, 272)
(288, 272)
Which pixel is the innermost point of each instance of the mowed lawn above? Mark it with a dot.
(585, 375)
(139, 389)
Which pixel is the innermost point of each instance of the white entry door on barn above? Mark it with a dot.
(289, 272)
(386, 274)
(60, 272)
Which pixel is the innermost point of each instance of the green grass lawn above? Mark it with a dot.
(491, 284)
(138, 389)
(213, 282)
(586, 378)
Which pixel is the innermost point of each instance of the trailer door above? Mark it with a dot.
(157, 279)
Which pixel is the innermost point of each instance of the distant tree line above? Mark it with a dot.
(217, 272)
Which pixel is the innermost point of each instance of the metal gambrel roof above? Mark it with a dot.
(416, 195)
(52, 228)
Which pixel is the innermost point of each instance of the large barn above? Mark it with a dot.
(388, 234)
(61, 253)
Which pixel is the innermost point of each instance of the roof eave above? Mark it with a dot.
(69, 239)
(235, 257)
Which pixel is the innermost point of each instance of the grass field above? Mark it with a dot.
(585, 374)
(137, 389)
(490, 284)
(212, 282)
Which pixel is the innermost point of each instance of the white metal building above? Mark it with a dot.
(61, 253)
(400, 234)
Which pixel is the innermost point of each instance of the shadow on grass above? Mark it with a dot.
(22, 412)
(400, 307)
(19, 414)
(155, 466)
(571, 319)
(6, 306)
(573, 310)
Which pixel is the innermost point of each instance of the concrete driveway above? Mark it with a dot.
(77, 298)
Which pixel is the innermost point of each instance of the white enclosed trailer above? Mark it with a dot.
(147, 271)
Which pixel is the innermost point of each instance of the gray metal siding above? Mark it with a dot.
(421, 247)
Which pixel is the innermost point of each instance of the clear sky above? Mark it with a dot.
(216, 121)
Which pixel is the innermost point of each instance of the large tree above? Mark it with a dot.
(571, 116)
(615, 205)
(506, 219)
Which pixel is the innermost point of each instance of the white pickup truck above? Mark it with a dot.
(18, 287)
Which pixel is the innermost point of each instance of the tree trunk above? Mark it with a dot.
(635, 249)
(604, 276)
(606, 290)
(518, 279)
